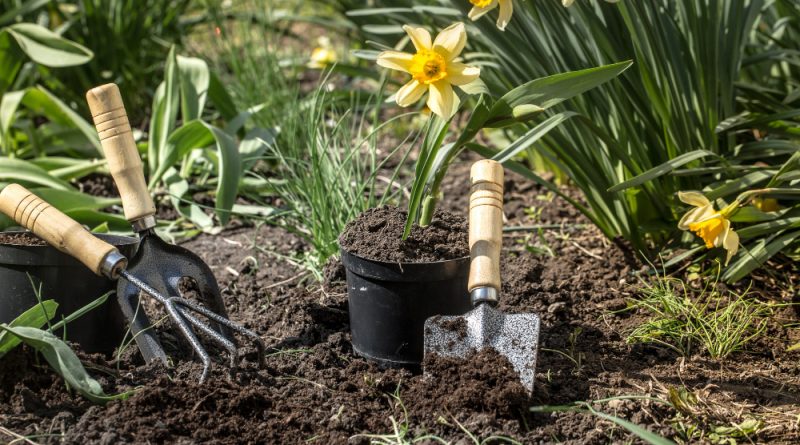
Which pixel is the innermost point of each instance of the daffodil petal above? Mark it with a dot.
(462, 74)
(730, 242)
(420, 37)
(697, 214)
(442, 100)
(506, 10)
(450, 42)
(696, 199)
(395, 60)
(475, 13)
(410, 93)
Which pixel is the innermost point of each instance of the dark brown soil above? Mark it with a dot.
(21, 239)
(98, 184)
(314, 389)
(377, 234)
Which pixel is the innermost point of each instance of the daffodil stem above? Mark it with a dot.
(745, 197)
(428, 208)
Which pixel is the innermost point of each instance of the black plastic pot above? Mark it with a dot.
(70, 284)
(389, 303)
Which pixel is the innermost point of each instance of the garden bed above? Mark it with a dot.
(314, 389)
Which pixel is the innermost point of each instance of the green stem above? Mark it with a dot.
(428, 208)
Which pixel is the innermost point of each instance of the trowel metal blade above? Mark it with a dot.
(515, 336)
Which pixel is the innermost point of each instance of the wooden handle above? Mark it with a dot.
(58, 229)
(485, 224)
(114, 130)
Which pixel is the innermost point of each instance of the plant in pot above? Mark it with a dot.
(403, 267)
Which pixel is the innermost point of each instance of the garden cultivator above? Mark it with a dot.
(158, 268)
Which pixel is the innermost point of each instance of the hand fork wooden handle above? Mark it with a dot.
(61, 231)
(124, 162)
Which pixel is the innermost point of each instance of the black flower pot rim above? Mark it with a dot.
(403, 271)
(47, 255)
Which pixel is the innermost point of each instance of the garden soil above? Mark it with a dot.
(314, 389)
(377, 235)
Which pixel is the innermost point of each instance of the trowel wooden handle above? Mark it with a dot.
(58, 229)
(485, 224)
(114, 130)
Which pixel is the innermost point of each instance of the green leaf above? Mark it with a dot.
(549, 91)
(42, 101)
(165, 111)
(35, 317)
(533, 135)
(16, 170)
(754, 257)
(194, 81)
(661, 170)
(253, 146)
(191, 135)
(68, 200)
(48, 48)
(219, 96)
(791, 165)
(93, 218)
(25, 8)
(64, 361)
(230, 171)
(769, 227)
(642, 433)
(11, 58)
(745, 182)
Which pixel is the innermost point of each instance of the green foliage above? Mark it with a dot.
(327, 171)
(516, 106)
(64, 361)
(27, 328)
(710, 103)
(128, 38)
(711, 322)
(35, 317)
(192, 152)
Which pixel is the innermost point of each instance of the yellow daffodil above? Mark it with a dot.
(712, 226)
(568, 3)
(434, 69)
(323, 55)
(481, 7)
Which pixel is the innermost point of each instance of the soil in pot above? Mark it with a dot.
(21, 239)
(377, 235)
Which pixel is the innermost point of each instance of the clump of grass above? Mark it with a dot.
(718, 323)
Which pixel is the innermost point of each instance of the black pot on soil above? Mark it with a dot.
(70, 284)
(389, 303)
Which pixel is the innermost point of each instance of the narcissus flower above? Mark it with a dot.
(568, 3)
(434, 69)
(712, 226)
(481, 7)
(323, 55)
